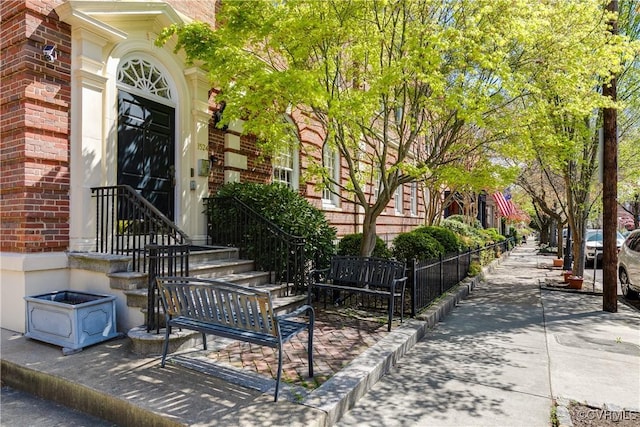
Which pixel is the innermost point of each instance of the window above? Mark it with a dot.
(285, 168)
(331, 162)
(397, 199)
(145, 77)
(414, 198)
(375, 185)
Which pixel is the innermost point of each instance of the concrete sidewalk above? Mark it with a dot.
(505, 353)
(498, 359)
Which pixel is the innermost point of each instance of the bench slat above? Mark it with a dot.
(215, 307)
(365, 275)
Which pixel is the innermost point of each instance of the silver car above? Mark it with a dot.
(629, 265)
(593, 244)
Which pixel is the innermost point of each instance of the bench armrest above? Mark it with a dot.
(400, 280)
(298, 311)
(316, 272)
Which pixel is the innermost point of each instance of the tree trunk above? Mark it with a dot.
(368, 234)
(545, 232)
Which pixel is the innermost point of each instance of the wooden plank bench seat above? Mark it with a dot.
(224, 309)
(362, 275)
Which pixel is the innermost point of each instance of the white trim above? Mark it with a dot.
(329, 198)
(398, 200)
(145, 59)
(413, 199)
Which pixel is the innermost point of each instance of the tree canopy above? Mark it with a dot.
(409, 90)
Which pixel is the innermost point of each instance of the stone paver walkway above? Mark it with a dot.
(337, 340)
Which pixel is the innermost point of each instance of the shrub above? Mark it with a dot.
(350, 245)
(456, 226)
(474, 269)
(289, 211)
(446, 237)
(416, 245)
(495, 235)
(472, 222)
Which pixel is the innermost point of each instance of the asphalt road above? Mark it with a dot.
(589, 273)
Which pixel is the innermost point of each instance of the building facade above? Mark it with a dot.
(87, 101)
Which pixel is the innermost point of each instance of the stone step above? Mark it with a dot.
(202, 254)
(138, 297)
(128, 280)
(283, 305)
(102, 263)
(219, 268)
(244, 278)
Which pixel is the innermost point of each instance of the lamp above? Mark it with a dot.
(212, 161)
(49, 53)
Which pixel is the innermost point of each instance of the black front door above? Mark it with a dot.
(146, 155)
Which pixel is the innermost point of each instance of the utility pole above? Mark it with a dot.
(610, 190)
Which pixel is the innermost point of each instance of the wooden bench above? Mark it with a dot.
(232, 311)
(362, 275)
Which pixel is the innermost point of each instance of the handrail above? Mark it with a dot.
(231, 222)
(126, 223)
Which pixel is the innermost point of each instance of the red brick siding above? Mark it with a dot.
(344, 218)
(202, 10)
(34, 128)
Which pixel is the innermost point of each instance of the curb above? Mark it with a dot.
(79, 397)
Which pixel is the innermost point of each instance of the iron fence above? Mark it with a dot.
(230, 222)
(126, 222)
(163, 260)
(430, 279)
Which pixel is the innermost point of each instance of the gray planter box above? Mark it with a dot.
(71, 319)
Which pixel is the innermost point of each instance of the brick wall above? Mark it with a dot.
(202, 10)
(34, 128)
(345, 220)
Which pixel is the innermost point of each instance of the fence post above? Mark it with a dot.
(152, 273)
(167, 260)
(414, 287)
(458, 265)
(441, 274)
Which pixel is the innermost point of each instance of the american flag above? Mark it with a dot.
(504, 203)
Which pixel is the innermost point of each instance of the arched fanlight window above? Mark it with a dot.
(144, 76)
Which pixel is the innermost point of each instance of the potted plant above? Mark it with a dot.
(566, 274)
(558, 262)
(575, 282)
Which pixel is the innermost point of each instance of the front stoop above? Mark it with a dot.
(145, 343)
(216, 263)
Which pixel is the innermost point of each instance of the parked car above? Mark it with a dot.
(593, 243)
(629, 265)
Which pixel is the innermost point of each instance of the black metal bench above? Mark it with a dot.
(362, 275)
(232, 311)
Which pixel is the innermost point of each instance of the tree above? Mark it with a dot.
(547, 192)
(629, 116)
(564, 102)
(400, 88)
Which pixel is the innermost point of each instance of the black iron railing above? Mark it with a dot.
(167, 260)
(428, 280)
(230, 222)
(126, 223)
